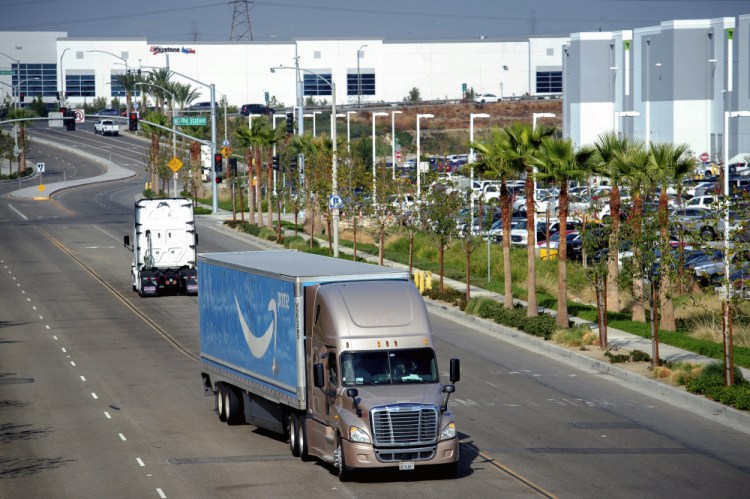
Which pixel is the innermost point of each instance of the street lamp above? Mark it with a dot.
(348, 130)
(334, 165)
(16, 89)
(113, 55)
(393, 141)
(624, 114)
(359, 78)
(471, 157)
(174, 135)
(374, 159)
(312, 115)
(419, 153)
(62, 76)
(534, 117)
(728, 374)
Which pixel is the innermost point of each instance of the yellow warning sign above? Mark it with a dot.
(174, 164)
(226, 151)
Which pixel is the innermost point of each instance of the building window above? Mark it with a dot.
(36, 80)
(117, 89)
(316, 54)
(364, 85)
(549, 82)
(317, 84)
(80, 85)
(550, 51)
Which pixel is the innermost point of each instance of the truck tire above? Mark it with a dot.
(220, 400)
(232, 406)
(293, 434)
(342, 470)
(302, 438)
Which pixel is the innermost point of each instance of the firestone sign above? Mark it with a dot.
(156, 49)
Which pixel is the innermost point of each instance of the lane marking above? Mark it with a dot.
(19, 213)
(161, 494)
(140, 462)
(63, 349)
(46, 326)
(94, 395)
(106, 414)
(55, 337)
(83, 379)
(122, 437)
(72, 363)
(106, 233)
(33, 307)
(493, 462)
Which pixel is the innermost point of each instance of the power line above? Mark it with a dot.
(241, 28)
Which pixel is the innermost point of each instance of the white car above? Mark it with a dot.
(482, 98)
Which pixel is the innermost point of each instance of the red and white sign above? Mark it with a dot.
(705, 157)
(80, 115)
(398, 155)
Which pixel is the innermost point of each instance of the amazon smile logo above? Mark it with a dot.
(259, 344)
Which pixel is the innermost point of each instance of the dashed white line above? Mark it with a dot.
(33, 307)
(72, 363)
(140, 462)
(95, 396)
(18, 212)
(106, 414)
(83, 379)
(46, 326)
(491, 384)
(63, 350)
(161, 494)
(55, 337)
(122, 437)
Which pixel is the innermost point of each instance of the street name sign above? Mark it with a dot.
(190, 121)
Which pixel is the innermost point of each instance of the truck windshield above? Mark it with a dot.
(386, 367)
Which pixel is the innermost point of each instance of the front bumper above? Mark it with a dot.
(359, 455)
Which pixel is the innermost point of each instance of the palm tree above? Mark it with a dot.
(523, 144)
(184, 94)
(160, 77)
(252, 139)
(631, 166)
(271, 137)
(606, 147)
(22, 114)
(128, 82)
(155, 134)
(668, 163)
(559, 162)
(493, 163)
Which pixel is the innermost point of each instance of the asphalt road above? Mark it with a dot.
(100, 392)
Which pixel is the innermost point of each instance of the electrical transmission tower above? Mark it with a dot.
(241, 28)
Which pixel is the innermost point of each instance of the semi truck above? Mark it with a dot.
(164, 247)
(335, 355)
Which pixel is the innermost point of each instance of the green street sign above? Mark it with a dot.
(7, 72)
(190, 121)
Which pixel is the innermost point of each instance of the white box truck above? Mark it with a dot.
(336, 355)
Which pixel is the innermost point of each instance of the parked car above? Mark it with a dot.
(482, 98)
(200, 106)
(108, 112)
(248, 109)
(701, 202)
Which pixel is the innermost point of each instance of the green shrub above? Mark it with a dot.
(267, 233)
(471, 306)
(487, 308)
(543, 326)
(200, 210)
(638, 356)
(742, 397)
(616, 358)
(711, 376)
(296, 243)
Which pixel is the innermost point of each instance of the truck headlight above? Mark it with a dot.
(448, 432)
(358, 435)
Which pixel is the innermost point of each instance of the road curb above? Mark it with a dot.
(695, 404)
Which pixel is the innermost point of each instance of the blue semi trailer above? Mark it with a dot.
(336, 355)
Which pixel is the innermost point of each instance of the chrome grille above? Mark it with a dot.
(405, 424)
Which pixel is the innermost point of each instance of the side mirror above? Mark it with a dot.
(318, 378)
(455, 370)
(126, 241)
(449, 388)
(352, 392)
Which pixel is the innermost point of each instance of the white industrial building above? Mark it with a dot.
(676, 82)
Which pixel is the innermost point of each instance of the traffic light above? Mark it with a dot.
(70, 124)
(289, 123)
(218, 167)
(133, 122)
(232, 163)
(21, 96)
(276, 162)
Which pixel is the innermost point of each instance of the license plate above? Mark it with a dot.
(406, 465)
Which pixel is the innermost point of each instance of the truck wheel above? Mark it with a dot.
(220, 399)
(232, 406)
(342, 470)
(302, 438)
(293, 434)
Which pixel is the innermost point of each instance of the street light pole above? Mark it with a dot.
(348, 130)
(359, 78)
(62, 77)
(174, 135)
(374, 158)
(471, 158)
(273, 118)
(533, 127)
(419, 154)
(113, 55)
(393, 141)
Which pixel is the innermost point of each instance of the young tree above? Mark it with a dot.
(156, 164)
(22, 114)
(440, 209)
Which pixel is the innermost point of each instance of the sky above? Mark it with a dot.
(283, 20)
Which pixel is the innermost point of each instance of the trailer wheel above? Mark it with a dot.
(232, 406)
(293, 434)
(342, 470)
(302, 438)
(220, 403)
